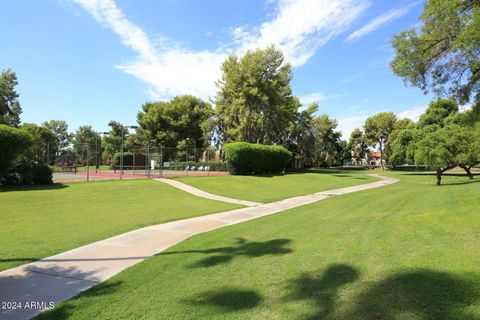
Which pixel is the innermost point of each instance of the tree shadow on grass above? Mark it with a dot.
(323, 288)
(418, 294)
(68, 308)
(422, 294)
(460, 183)
(226, 299)
(243, 247)
(49, 284)
(53, 186)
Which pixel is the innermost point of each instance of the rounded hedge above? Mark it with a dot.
(13, 142)
(250, 158)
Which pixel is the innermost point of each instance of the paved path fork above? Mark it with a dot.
(204, 194)
(60, 277)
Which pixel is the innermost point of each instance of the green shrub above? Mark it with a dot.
(27, 173)
(249, 158)
(13, 143)
(41, 174)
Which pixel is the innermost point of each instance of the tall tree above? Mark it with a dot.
(10, 109)
(183, 121)
(86, 141)
(445, 148)
(445, 54)
(254, 102)
(39, 151)
(59, 129)
(111, 143)
(358, 144)
(437, 112)
(301, 137)
(328, 147)
(377, 130)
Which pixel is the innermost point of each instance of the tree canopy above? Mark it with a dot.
(444, 55)
(254, 102)
(182, 121)
(10, 109)
(377, 130)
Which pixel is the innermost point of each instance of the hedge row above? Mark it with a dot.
(248, 158)
(27, 173)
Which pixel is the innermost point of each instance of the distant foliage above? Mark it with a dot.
(248, 158)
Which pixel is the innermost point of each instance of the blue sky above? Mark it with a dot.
(91, 61)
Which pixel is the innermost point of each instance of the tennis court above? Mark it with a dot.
(92, 175)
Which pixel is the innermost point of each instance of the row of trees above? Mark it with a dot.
(254, 104)
(442, 139)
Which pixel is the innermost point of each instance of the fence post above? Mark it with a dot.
(161, 162)
(148, 160)
(88, 164)
(133, 152)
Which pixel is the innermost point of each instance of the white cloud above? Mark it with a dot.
(347, 124)
(413, 113)
(298, 28)
(316, 97)
(378, 22)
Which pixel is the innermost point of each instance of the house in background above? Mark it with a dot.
(374, 159)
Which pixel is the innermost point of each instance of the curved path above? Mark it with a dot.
(60, 277)
(204, 194)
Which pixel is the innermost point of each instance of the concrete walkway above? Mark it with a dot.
(60, 277)
(204, 194)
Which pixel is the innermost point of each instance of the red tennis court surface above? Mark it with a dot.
(128, 174)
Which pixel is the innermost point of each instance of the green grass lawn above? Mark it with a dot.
(37, 222)
(275, 187)
(405, 251)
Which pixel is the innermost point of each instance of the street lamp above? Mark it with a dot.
(96, 148)
(121, 147)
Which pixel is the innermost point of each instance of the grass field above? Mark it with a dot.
(404, 251)
(42, 221)
(269, 188)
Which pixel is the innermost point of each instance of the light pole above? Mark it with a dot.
(96, 149)
(121, 147)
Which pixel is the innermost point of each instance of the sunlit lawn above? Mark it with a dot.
(404, 251)
(269, 188)
(41, 221)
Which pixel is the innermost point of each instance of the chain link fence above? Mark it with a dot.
(78, 162)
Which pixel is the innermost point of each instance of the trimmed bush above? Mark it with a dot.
(28, 173)
(249, 158)
(13, 143)
(41, 174)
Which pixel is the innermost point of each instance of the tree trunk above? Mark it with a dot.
(381, 156)
(468, 171)
(439, 177)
